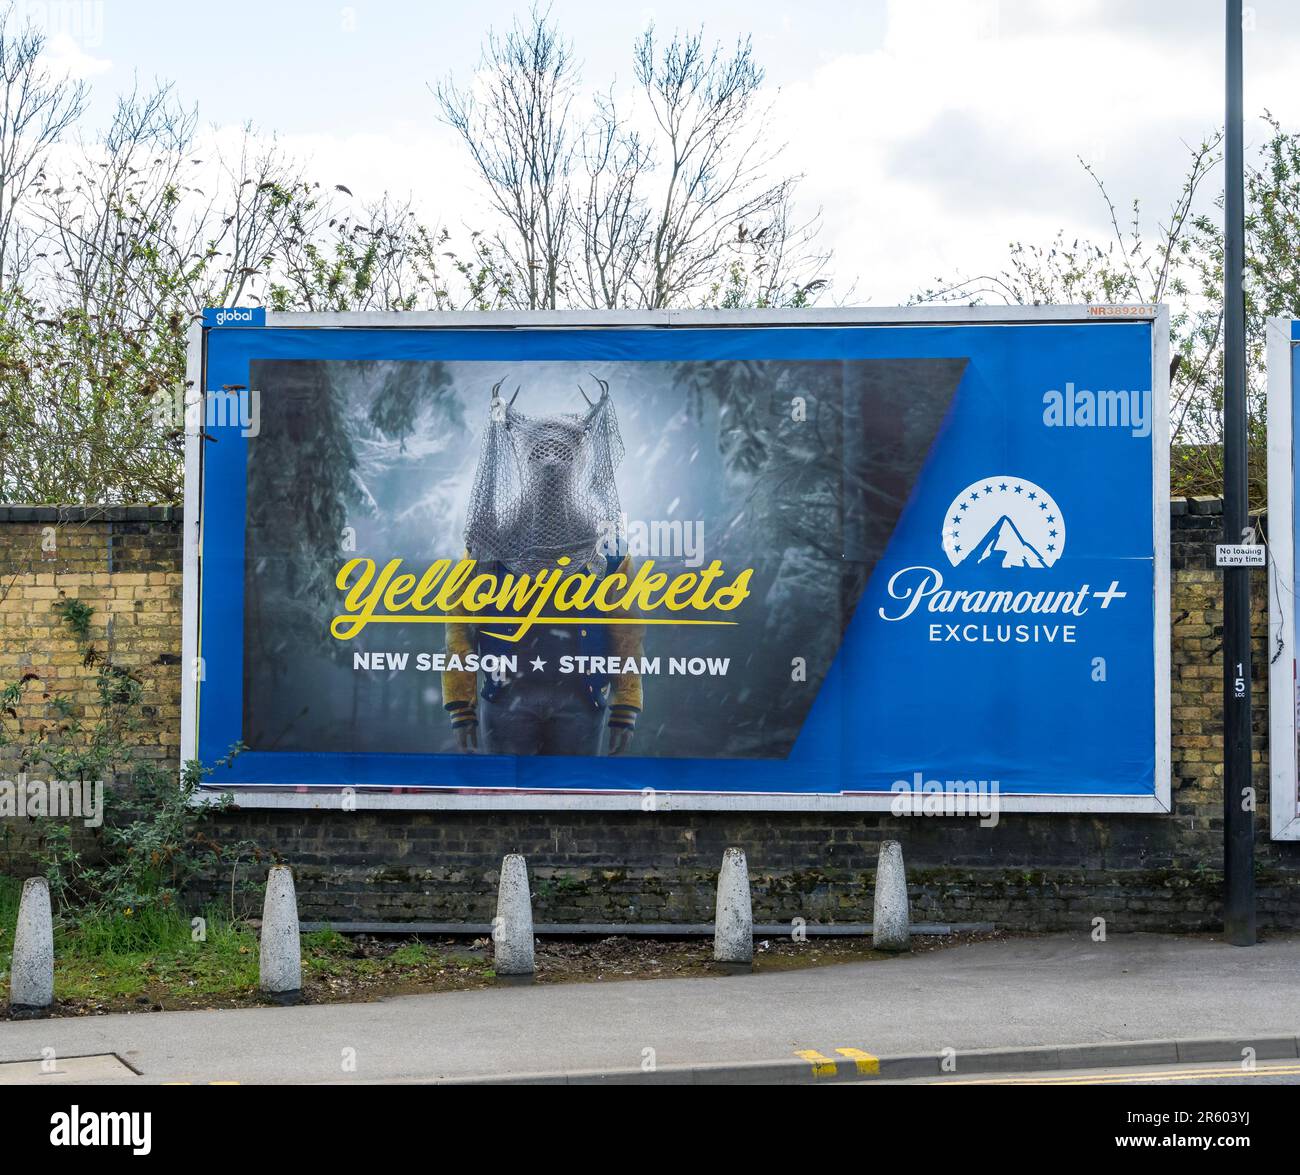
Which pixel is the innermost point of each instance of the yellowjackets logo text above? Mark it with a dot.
(448, 592)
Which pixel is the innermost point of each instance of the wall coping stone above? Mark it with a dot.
(94, 513)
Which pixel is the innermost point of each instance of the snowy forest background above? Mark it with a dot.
(387, 451)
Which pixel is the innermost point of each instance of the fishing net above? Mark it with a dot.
(545, 488)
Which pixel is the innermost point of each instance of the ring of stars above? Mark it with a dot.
(981, 505)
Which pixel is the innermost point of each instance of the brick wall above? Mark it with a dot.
(1030, 872)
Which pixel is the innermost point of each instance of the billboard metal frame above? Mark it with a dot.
(365, 797)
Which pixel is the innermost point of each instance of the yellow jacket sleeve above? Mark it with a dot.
(626, 640)
(460, 686)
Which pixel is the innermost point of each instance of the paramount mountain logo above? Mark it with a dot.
(1006, 522)
(1006, 541)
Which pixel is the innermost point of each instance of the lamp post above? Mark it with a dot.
(1238, 808)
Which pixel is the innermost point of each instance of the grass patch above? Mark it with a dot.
(10, 891)
(156, 958)
(146, 957)
(413, 954)
(153, 956)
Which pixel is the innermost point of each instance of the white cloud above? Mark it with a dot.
(963, 130)
(66, 57)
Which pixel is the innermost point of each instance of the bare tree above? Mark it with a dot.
(133, 244)
(106, 307)
(380, 257)
(117, 221)
(687, 209)
(717, 189)
(114, 245)
(35, 110)
(246, 220)
(519, 133)
(611, 212)
(776, 264)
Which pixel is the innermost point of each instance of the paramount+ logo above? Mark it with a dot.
(1000, 534)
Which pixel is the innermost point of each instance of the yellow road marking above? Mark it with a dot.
(821, 1066)
(865, 1062)
(206, 1083)
(1120, 1075)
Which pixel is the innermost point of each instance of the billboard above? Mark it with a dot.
(815, 559)
(1283, 337)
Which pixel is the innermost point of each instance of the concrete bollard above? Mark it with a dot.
(512, 928)
(31, 974)
(891, 925)
(280, 960)
(733, 924)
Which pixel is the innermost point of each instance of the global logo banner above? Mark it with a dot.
(718, 565)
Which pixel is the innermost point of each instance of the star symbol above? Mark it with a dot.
(957, 547)
(974, 495)
(1051, 534)
(1019, 488)
(1032, 495)
(988, 489)
(1051, 518)
(956, 519)
(1051, 546)
(538, 664)
(1003, 487)
(1042, 505)
(964, 506)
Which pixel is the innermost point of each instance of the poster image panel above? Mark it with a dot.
(815, 560)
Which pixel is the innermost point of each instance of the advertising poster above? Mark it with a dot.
(712, 563)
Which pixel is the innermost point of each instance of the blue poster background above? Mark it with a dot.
(1035, 717)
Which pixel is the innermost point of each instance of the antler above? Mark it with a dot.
(496, 392)
(604, 390)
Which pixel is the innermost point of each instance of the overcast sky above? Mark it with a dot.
(931, 132)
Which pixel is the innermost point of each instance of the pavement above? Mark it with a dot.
(1056, 1002)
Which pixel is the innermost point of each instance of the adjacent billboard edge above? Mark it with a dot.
(1284, 797)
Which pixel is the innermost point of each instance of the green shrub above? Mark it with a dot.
(156, 839)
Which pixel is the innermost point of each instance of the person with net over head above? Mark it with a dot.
(545, 491)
